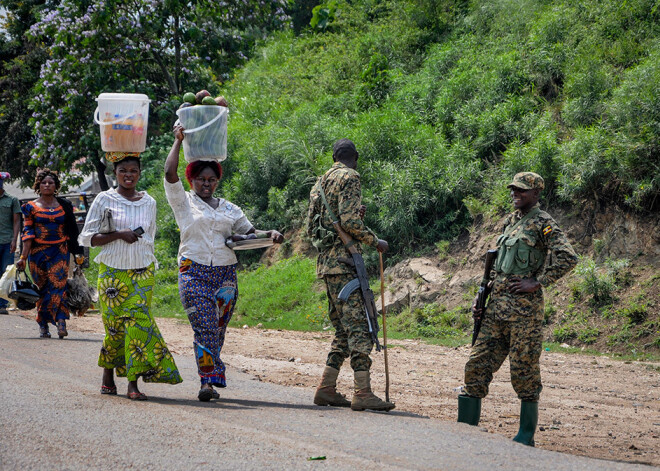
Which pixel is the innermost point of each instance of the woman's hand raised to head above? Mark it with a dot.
(178, 132)
(172, 161)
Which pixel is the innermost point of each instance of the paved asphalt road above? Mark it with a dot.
(52, 417)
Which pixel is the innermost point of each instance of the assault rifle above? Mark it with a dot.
(361, 282)
(483, 293)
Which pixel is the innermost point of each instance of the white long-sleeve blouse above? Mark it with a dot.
(127, 215)
(204, 230)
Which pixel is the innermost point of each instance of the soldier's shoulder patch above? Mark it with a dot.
(547, 230)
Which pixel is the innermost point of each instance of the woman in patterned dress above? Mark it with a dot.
(49, 236)
(207, 267)
(133, 345)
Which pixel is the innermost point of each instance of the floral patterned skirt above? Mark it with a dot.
(133, 344)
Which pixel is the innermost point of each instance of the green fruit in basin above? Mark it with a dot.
(190, 98)
(207, 100)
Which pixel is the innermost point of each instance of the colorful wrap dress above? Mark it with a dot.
(133, 344)
(48, 259)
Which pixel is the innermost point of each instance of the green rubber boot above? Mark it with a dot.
(529, 418)
(469, 409)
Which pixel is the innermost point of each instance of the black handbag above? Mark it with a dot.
(24, 292)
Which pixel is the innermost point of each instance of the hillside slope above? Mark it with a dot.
(445, 101)
(608, 303)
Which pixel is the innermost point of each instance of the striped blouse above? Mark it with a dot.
(127, 215)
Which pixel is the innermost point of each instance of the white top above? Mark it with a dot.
(127, 215)
(204, 230)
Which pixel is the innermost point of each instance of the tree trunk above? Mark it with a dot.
(177, 55)
(170, 81)
(100, 171)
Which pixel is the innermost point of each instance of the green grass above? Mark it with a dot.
(555, 347)
(433, 323)
(286, 295)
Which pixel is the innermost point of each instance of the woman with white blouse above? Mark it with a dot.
(207, 267)
(133, 345)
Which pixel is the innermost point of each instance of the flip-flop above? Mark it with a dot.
(109, 390)
(137, 396)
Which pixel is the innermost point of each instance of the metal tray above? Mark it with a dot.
(250, 244)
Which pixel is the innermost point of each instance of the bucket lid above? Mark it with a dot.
(123, 96)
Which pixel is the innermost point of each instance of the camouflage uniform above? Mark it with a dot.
(341, 186)
(513, 322)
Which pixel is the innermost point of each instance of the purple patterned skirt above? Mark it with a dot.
(208, 295)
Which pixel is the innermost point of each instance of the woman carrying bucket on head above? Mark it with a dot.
(122, 222)
(133, 344)
(207, 267)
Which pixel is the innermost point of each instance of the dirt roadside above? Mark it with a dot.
(590, 406)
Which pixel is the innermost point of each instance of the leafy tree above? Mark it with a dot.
(323, 15)
(159, 48)
(20, 63)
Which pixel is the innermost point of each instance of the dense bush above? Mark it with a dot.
(444, 108)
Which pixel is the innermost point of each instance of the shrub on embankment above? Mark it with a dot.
(445, 108)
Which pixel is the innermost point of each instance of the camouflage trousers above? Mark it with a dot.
(352, 338)
(519, 338)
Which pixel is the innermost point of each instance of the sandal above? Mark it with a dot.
(137, 396)
(61, 328)
(43, 332)
(205, 394)
(109, 390)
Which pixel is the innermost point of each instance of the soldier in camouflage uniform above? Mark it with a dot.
(341, 186)
(533, 253)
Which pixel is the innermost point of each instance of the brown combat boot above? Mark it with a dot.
(364, 398)
(326, 393)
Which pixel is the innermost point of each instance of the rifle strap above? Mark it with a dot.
(530, 214)
(325, 200)
(352, 242)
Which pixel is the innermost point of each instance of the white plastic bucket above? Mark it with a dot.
(205, 132)
(123, 119)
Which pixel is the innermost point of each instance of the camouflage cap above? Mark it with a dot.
(527, 181)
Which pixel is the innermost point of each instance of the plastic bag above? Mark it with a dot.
(6, 280)
(79, 294)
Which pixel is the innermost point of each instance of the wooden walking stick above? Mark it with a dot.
(382, 300)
